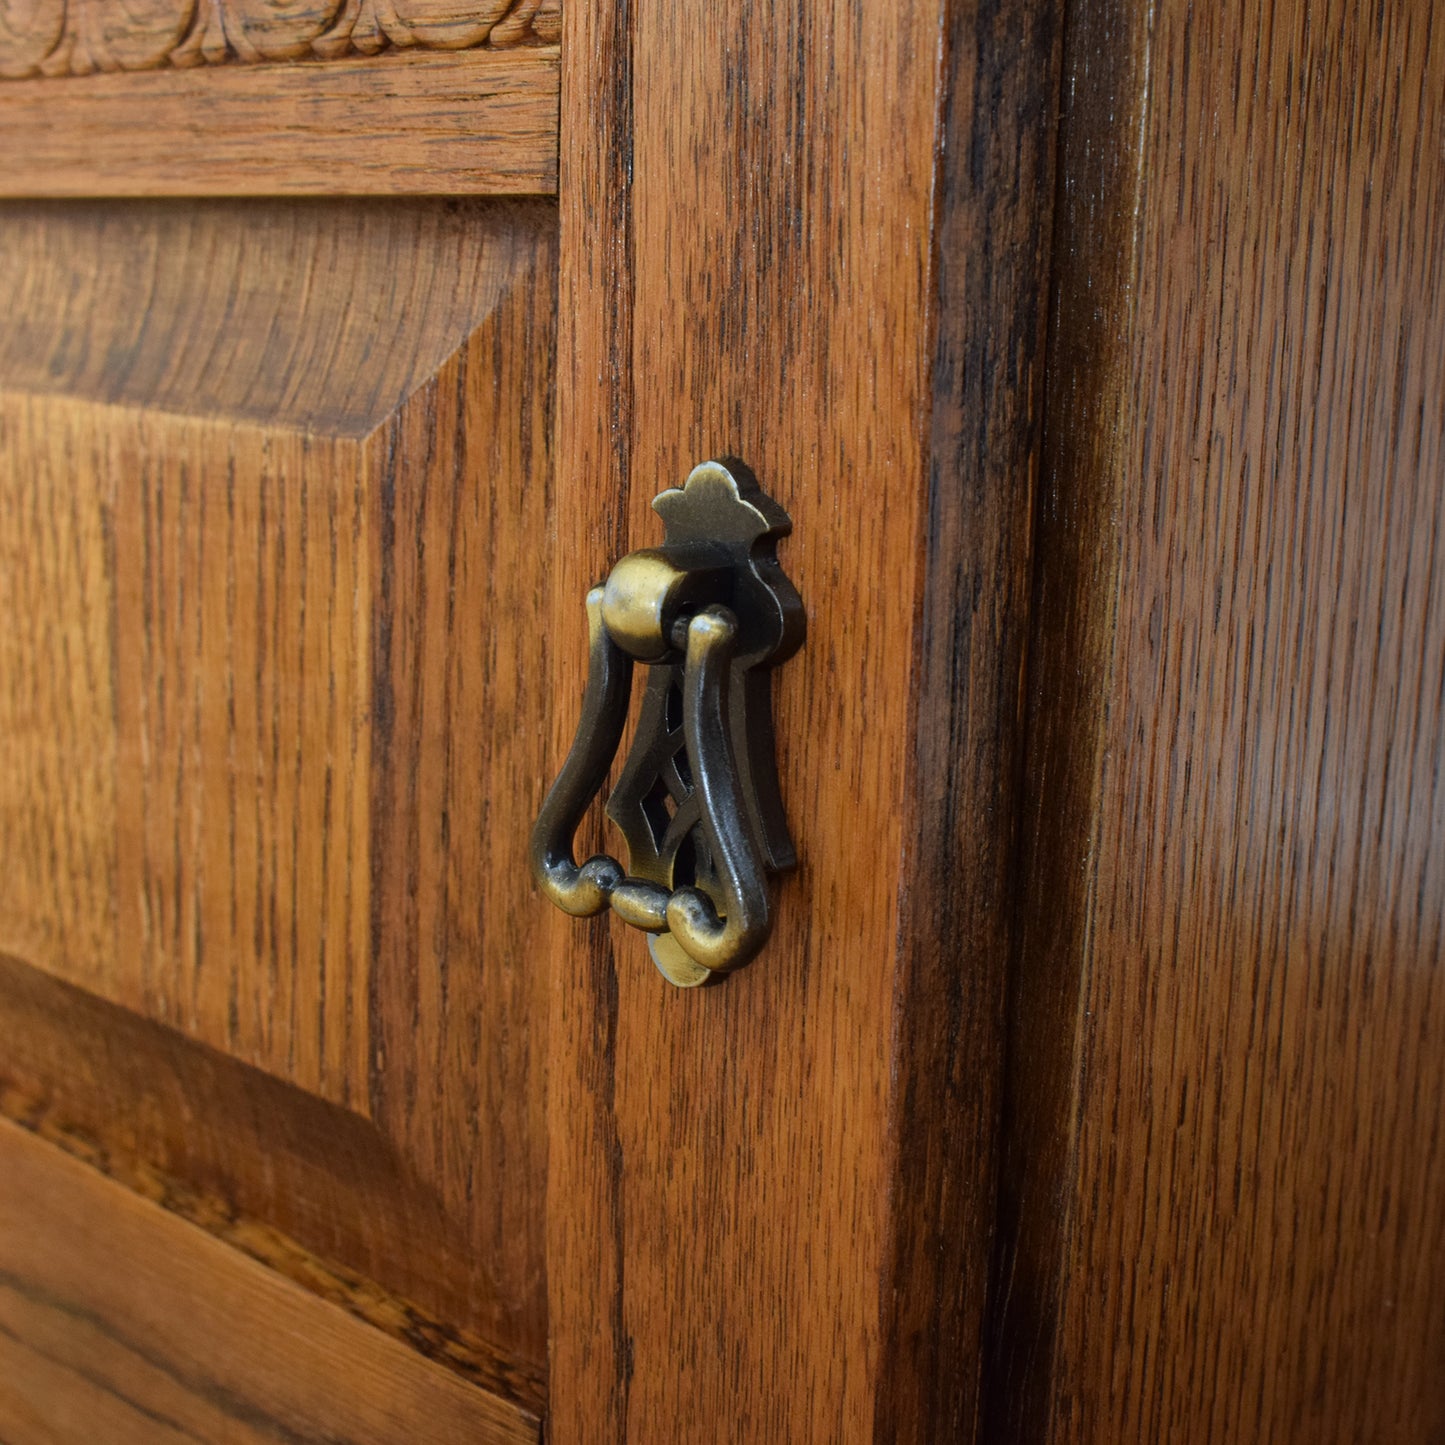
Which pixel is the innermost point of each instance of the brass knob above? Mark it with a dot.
(710, 612)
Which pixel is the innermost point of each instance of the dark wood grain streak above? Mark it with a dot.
(1074, 604)
(743, 1231)
(1229, 1038)
(991, 263)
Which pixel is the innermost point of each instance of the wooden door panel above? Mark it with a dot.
(274, 477)
(1088, 1089)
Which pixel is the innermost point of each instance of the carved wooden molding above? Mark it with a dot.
(76, 37)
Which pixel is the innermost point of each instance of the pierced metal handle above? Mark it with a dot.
(698, 804)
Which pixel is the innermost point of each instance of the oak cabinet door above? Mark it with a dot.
(301, 638)
(1089, 1086)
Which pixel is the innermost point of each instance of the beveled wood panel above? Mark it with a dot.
(406, 122)
(770, 1201)
(120, 1322)
(308, 1188)
(189, 702)
(1227, 1154)
(269, 714)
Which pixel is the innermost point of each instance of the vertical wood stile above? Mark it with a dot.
(813, 237)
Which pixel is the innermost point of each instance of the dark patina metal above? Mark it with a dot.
(710, 612)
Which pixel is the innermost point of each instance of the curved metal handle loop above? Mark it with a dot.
(697, 800)
(729, 942)
(714, 943)
(585, 890)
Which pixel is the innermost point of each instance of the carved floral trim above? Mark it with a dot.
(76, 37)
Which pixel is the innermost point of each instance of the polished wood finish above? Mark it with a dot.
(770, 1201)
(120, 1322)
(1089, 1088)
(477, 122)
(272, 742)
(1225, 1159)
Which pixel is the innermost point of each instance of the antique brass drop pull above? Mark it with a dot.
(697, 803)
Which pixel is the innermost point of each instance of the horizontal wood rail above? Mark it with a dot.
(468, 122)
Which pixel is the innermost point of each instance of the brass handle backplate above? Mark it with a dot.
(710, 612)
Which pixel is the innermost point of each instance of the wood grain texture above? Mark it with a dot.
(267, 720)
(78, 37)
(475, 122)
(1230, 1033)
(120, 1322)
(200, 811)
(124, 1095)
(737, 1243)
